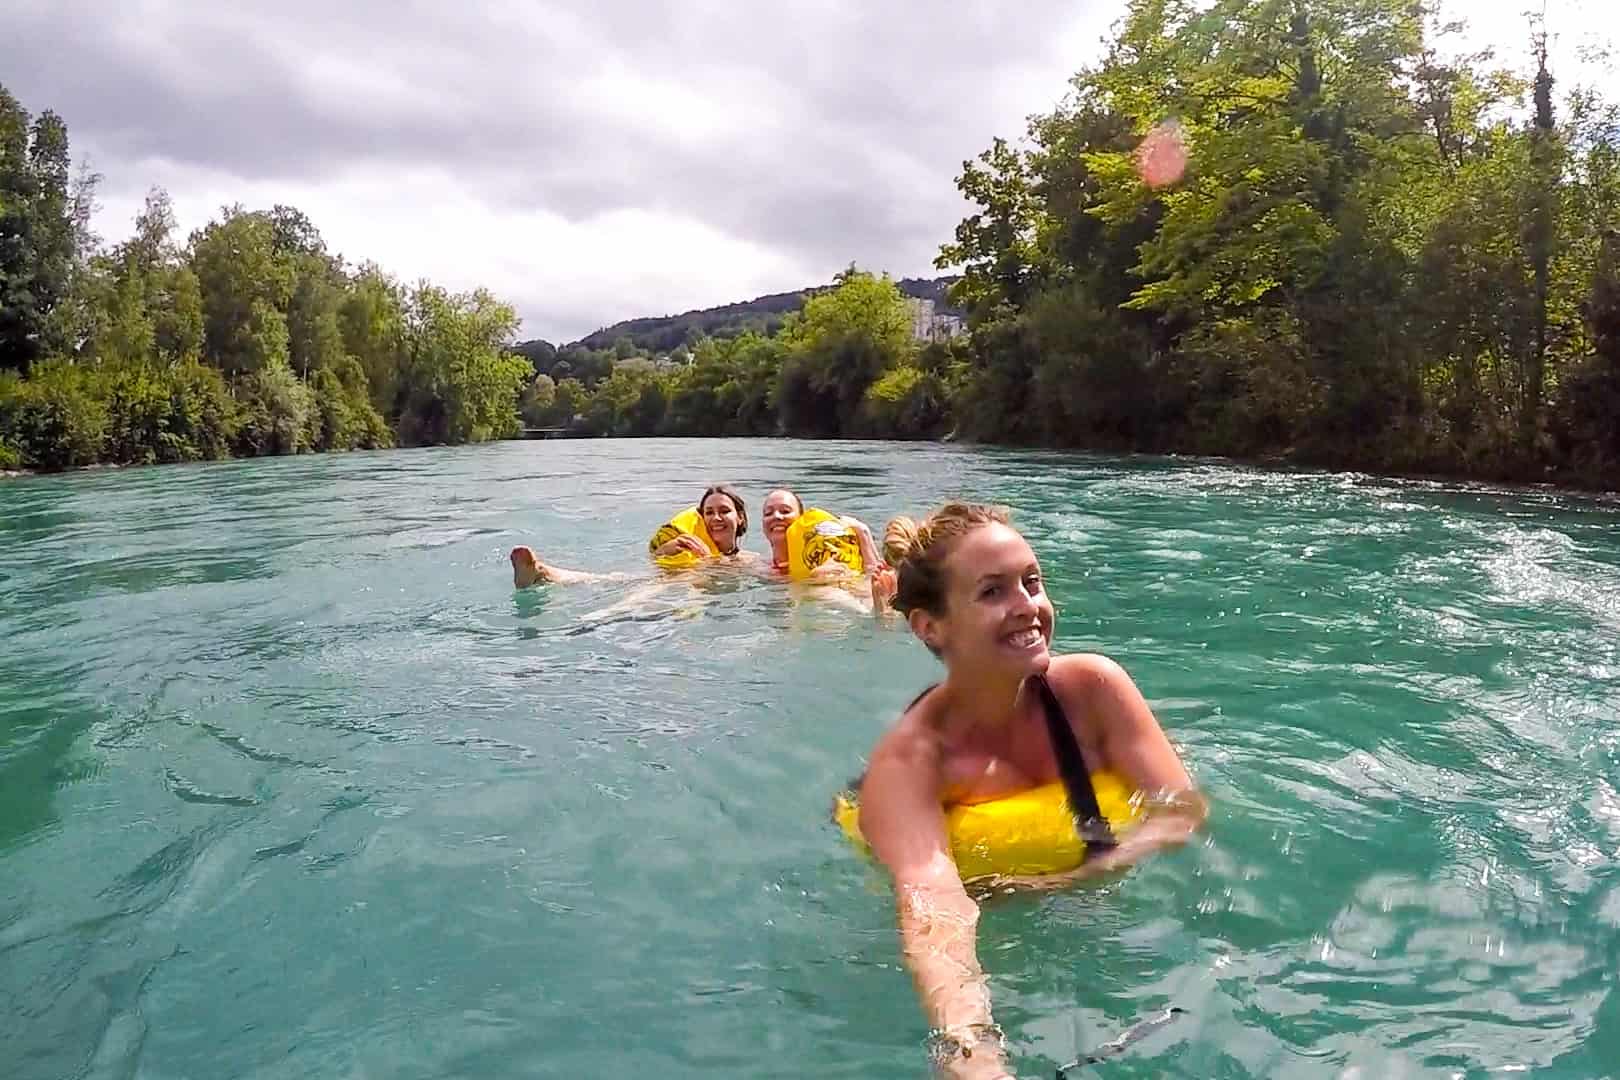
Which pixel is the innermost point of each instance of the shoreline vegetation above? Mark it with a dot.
(1381, 257)
(1609, 496)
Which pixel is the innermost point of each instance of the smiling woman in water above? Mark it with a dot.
(783, 509)
(1009, 722)
(724, 519)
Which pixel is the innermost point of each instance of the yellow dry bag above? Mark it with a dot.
(688, 522)
(1029, 833)
(818, 538)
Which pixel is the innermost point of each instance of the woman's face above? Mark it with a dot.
(720, 518)
(781, 509)
(997, 617)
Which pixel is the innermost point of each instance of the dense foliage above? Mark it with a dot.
(248, 338)
(1376, 258)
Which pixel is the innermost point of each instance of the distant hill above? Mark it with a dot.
(763, 315)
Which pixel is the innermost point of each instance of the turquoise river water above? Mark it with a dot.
(293, 783)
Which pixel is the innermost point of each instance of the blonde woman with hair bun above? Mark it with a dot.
(1021, 765)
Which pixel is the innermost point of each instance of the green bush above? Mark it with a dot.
(906, 403)
(165, 414)
(52, 419)
(347, 419)
(137, 402)
(278, 413)
(203, 420)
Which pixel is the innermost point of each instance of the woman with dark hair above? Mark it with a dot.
(712, 531)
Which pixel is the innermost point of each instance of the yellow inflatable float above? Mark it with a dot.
(689, 523)
(1030, 833)
(817, 538)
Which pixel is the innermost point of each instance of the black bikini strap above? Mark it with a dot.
(1089, 821)
(919, 697)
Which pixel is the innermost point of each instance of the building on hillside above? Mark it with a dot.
(930, 325)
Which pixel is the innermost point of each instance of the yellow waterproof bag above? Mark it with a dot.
(818, 538)
(1029, 833)
(689, 523)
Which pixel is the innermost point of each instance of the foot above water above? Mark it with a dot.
(527, 569)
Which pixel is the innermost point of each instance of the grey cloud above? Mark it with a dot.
(848, 121)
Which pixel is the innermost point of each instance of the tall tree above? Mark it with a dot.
(838, 346)
(246, 282)
(53, 234)
(1546, 171)
(19, 308)
(372, 321)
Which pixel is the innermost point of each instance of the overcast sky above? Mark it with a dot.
(588, 161)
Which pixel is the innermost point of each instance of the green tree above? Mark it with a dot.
(538, 401)
(631, 401)
(838, 346)
(461, 381)
(540, 354)
(997, 247)
(314, 324)
(37, 230)
(1368, 260)
(1547, 166)
(150, 265)
(127, 334)
(53, 419)
(726, 388)
(371, 319)
(1589, 397)
(246, 283)
(279, 412)
(347, 419)
(52, 234)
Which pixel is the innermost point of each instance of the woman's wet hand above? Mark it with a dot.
(885, 583)
(685, 543)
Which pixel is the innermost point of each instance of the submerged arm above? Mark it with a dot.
(938, 921)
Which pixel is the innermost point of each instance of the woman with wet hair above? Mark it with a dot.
(725, 520)
(1008, 718)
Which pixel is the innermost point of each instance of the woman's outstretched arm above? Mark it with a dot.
(902, 820)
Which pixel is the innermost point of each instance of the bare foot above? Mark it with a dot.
(527, 569)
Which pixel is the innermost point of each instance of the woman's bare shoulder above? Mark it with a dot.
(1080, 673)
(912, 738)
(1086, 665)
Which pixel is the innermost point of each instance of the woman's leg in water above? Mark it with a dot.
(527, 570)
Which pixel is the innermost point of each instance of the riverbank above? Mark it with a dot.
(1607, 493)
(17, 474)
